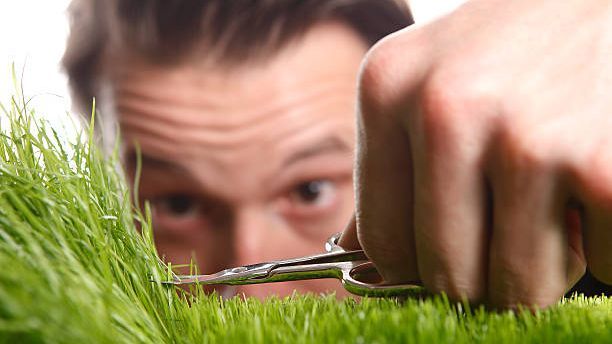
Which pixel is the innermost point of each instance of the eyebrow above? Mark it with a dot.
(153, 162)
(328, 145)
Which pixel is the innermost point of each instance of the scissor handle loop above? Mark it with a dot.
(364, 280)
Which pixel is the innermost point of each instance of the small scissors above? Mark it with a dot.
(357, 273)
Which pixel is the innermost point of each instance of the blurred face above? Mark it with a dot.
(246, 164)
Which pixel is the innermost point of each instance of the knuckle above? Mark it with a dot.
(595, 176)
(451, 109)
(440, 104)
(376, 75)
(388, 74)
(517, 148)
(449, 89)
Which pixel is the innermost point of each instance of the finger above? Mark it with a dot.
(592, 179)
(383, 170)
(384, 200)
(450, 192)
(348, 239)
(529, 248)
(576, 259)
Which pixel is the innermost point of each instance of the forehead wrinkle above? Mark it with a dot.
(218, 182)
(302, 127)
(228, 112)
(157, 95)
(328, 144)
(189, 131)
(339, 131)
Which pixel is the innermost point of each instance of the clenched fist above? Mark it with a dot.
(484, 162)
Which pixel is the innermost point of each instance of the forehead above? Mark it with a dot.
(328, 51)
(221, 116)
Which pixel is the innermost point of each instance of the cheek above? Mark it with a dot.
(210, 250)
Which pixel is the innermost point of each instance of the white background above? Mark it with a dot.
(424, 10)
(33, 34)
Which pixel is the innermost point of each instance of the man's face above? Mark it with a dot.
(246, 164)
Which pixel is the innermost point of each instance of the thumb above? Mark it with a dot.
(348, 239)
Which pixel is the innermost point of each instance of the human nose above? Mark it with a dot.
(254, 230)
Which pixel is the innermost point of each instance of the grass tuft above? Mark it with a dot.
(75, 269)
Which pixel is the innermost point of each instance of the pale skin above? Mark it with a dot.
(247, 163)
(484, 160)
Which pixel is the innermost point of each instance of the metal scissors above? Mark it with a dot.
(352, 267)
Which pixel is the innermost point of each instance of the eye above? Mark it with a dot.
(178, 205)
(314, 192)
(179, 213)
(313, 202)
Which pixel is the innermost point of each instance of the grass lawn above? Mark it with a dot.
(74, 269)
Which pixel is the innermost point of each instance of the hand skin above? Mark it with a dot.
(484, 159)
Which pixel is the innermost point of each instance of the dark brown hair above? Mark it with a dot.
(234, 31)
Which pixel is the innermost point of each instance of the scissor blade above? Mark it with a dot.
(192, 279)
(237, 275)
(260, 273)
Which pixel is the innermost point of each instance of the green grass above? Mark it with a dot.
(74, 269)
